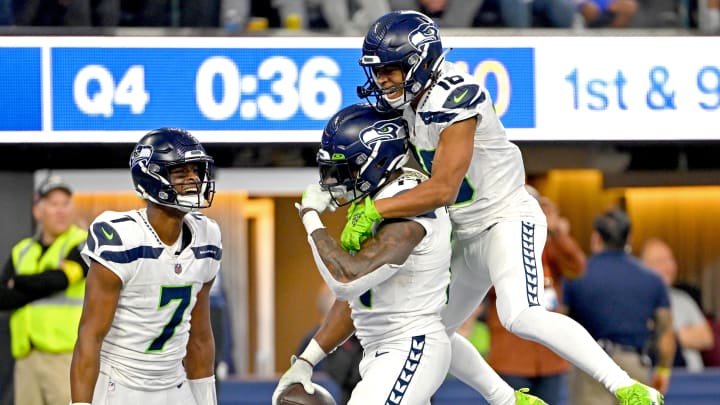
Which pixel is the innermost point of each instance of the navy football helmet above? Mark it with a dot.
(406, 38)
(359, 150)
(156, 154)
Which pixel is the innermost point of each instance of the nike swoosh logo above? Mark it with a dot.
(108, 235)
(460, 97)
(378, 354)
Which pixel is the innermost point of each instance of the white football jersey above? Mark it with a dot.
(147, 341)
(409, 302)
(493, 188)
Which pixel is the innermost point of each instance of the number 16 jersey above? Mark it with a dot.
(493, 187)
(147, 340)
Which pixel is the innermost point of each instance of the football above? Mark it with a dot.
(295, 395)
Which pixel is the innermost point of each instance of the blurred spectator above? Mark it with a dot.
(74, 13)
(446, 13)
(523, 363)
(292, 13)
(526, 13)
(15, 293)
(348, 17)
(7, 16)
(617, 300)
(692, 330)
(711, 22)
(172, 13)
(18, 292)
(43, 332)
(607, 13)
(234, 15)
(537, 13)
(343, 364)
(657, 14)
(711, 303)
(259, 15)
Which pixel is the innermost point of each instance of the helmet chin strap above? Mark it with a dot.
(397, 102)
(184, 208)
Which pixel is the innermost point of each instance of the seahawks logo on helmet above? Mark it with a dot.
(424, 34)
(380, 131)
(141, 154)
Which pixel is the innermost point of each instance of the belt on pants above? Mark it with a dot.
(611, 347)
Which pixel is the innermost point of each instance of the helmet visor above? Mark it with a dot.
(340, 180)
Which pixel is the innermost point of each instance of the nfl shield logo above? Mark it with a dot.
(178, 268)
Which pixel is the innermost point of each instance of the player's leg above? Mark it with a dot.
(408, 369)
(513, 252)
(470, 283)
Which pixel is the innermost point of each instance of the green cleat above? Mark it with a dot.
(523, 398)
(639, 394)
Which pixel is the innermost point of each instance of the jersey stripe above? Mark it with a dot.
(207, 251)
(129, 256)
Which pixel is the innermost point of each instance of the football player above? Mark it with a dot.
(391, 292)
(146, 309)
(499, 230)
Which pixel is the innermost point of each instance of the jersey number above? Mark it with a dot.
(451, 80)
(466, 192)
(168, 294)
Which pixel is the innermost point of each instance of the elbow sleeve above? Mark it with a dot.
(348, 290)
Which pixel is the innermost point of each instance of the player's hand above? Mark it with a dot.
(314, 197)
(358, 228)
(661, 380)
(300, 371)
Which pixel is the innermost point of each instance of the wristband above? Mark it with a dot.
(203, 390)
(313, 353)
(312, 222)
(663, 371)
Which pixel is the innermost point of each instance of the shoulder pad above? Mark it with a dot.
(104, 229)
(407, 180)
(465, 96)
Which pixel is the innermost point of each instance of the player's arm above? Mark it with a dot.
(335, 329)
(102, 291)
(449, 167)
(349, 276)
(666, 348)
(392, 244)
(200, 358)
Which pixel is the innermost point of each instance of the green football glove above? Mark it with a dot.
(359, 226)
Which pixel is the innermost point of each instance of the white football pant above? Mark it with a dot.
(405, 370)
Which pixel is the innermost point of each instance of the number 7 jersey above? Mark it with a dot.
(147, 340)
(492, 188)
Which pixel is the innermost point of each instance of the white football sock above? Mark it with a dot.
(469, 367)
(569, 339)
